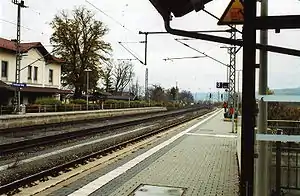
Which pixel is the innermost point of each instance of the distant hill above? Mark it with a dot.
(200, 96)
(287, 91)
(284, 91)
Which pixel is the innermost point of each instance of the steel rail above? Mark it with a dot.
(57, 138)
(55, 170)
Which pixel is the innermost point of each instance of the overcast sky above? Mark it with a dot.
(131, 16)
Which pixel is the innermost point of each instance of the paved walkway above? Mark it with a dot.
(200, 161)
(202, 164)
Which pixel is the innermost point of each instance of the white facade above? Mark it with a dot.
(41, 66)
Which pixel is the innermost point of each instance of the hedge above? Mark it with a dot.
(78, 101)
(47, 101)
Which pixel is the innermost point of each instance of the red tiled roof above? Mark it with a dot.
(57, 60)
(25, 47)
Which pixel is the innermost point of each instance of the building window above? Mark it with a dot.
(4, 69)
(29, 72)
(50, 75)
(35, 73)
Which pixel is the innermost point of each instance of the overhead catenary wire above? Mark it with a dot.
(127, 59)
(24, 27)
(185, 44)
(181, 58)
(123, 26)
(134, 55)
(113, 19)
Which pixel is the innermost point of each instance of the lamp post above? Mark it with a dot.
(87, 88)
(238, 89)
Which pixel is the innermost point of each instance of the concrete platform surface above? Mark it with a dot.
(200, 160)
(30, 119)
(42, 114)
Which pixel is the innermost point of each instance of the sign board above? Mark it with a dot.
(19, 84)
(223, 85)
(234, 13)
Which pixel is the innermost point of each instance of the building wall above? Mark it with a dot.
(56, 75)
(43, 69)
(11, 59)
(32, 56)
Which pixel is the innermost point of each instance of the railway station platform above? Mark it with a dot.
(200, 159)
(31, 119)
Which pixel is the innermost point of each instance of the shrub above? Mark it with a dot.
(111, 102)
(157, 104)
(119, 102)
(143, 103)
(78, 101)
(47, 101)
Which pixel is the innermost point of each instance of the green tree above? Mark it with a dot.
(157, 93)
(78, 39)
(186, 96)
(173, 93)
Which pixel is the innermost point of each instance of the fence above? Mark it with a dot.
(285, 157)
(66, 107)
(81, 107)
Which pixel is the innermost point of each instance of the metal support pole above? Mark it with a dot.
(17, 97)
(18, 60)
(87, 91)
(278, 165)
(87, 87)
(232, 67)
(227, 74)
(237, 99)
(248, 112)
(262, 163)
(238, 91)
(147, 98)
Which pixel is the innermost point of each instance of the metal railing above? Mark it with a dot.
(5, 110)
(66, 107)
(285, 162)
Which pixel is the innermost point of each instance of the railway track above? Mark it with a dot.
(79, 122)
(11, 187)
(82, 132)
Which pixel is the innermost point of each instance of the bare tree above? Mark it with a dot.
(136, 89)
(107, 77)
(122, 75)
